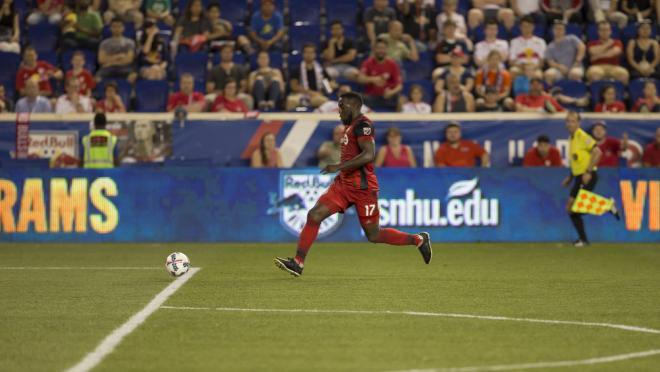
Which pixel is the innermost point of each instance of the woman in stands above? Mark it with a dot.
(649, 102)
(416, 105)
(608, 102)
(112, 101)
(152, 57)
(644, 53)
(395, 154)
(266, 83)
(228, 101)
(193, 29)
(10, 31)
(267, 155)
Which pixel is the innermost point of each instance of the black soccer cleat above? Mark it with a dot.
(615, 211)
(289, 265)
(425, 248)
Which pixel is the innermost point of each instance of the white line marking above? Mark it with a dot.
(296, 140)
(111, 341)
(81, 268)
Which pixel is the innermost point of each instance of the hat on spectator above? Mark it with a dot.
(601, 123)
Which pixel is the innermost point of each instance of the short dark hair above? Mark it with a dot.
(336, 22)
(380, 41)
(527, 19)
(309, 45)
(452, 124)
(117, 20)
(353, 96)
(491, 22)
(100, 120)
(111, 84)
(78, 53)
(212, 5)
(604, 89)
(543, 139)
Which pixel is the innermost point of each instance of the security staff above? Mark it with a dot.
(99, 145)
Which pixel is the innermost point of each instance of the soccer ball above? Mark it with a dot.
(177, 263)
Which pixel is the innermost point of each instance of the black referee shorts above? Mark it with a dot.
(577, 184)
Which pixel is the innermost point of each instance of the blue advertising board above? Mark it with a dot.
(205, 204)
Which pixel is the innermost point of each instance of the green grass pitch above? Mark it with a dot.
(52, 318)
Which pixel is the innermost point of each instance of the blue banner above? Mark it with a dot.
(201, 204)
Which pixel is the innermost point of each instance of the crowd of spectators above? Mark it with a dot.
(404, 55)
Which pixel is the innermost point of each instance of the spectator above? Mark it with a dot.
(491, 102)
(649, 101)
(605, 55)
(116, 55)
(606, 11)
(267, 155)
(225, 70)
(608, 101)
(72, 101)
(418, 21)
(382, 79)
(522, 82)
(6, 105)
(33, 103)
(10, 29)
(377, 19)
(331, 106)
(88, 28)
(454, 99)
(309, 82)
(126, 10)
(651, 156)
(416, 104)
(644, 53)
(152, 58)
(159, 11)
(449, 14)
(457, 152)
(50, 10)
(537, 100)
(112, 101)
(193, 29)
(228, 100)
(395, 154)
(610, 147)
(400, 46)
(491, 42)
(526, 48)
(637, 9)
(490, 10)
(267, 26)
(266, 83)
(464, 74)
(523, 8)
(564, 55)
(40, 71)
(339, 53)
(222, 29)
(78, 71)
(448, 44)
(186, 98)
(69, 21)
(330, 151)
(493, 75)
(563, 10)
(543, 154)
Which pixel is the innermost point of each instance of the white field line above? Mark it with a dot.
(81, 268)
(111, 341)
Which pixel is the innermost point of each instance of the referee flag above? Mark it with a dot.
(590, 203)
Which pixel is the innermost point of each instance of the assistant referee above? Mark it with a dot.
(584, 154)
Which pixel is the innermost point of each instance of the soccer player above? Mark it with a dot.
(356, 184)
(584, 155)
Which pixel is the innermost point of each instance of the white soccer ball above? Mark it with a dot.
(177, 263)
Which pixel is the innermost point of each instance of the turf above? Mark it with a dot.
(52, 318)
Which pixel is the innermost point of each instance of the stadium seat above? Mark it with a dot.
(193, 63)
(301, 35)
(90, 60)
(636, 88)
(50, 56)
(129, 31)
(43, 36)
(574, 89)
(592, 32)
(9, 63)
(341, 10)
(427, 86)
(597, 87)
(420, 70)
(10, 89)
(234, 11)
(123, 89)
(22, 8)
(305, 12)
(151, 95)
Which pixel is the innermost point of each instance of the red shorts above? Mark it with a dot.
(340, 197)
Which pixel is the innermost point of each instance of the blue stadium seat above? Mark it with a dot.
(10, 89)
(598, 85)
(193, 63)
(43, 36)
(636, 88)
(420, 70)
(301, 35)
(462, 8)
(22, 8)
(233, 10)
(427, 86)
(51, 57)
(90, 60)
(341, 10)
(592, 32)
(276, 60)
(9, 63)
(151, 95)
(129, 31)
(123, 89)
(574, 89)
(305, 12)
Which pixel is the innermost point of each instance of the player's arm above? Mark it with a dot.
(366, 156)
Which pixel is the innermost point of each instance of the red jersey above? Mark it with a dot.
(537, 102)
(86, 81)
(616, 60)
(231, 105)
(39, 72)
(361, 129)
(464, 155)
(387, 68)
(181, 99)
(106, 106)
(534, 159)
(652, 155)
(610, 149)
(616, 106)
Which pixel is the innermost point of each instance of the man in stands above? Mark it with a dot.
(652, 152)
(457, 152)
(564, 55)
(526, 48)
(32, 102)
(78, 71)
(73, 101)
(382, 79)
(126, 10)
(563, 10)
(310, 82)
(116, 55)
(605, 56)
(483, 48)
(186, 98)
(400, 46)
(330, 151)
(543, 154)
(610, 147)
(266, 26)
(377, 19)
(228, 70)
(339, 52)
(537, 100)
(454, 98)
(39, 71)
(449, 44)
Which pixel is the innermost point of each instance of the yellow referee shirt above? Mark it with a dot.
(579, 149)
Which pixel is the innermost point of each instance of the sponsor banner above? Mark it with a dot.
(142, 141)
(51, 143)
(196, 204)
(22, 135)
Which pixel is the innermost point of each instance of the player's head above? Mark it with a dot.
(543, 145)
(453, 132)
(338, 133)
(100, 121)
(599, 130)
(350, 105)
(573, 121)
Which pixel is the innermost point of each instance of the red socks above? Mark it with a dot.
(307, 237)
(396, 237)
